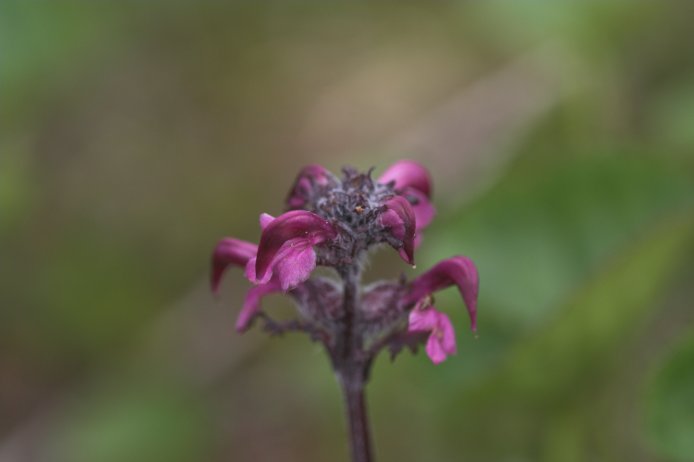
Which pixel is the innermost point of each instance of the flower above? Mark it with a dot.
(286, 247)
(309, 179)
(441, 341)
(405, 174)
(400, 220)
(334, 222)
(411, 180)
(459, 271)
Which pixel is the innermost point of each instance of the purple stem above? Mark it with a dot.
(352, 368)
(359, 435)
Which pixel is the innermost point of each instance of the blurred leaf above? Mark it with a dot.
(551, 223)
(670, 404)
(559, 372)
(672, 116)
(541, 232)
(16, 191)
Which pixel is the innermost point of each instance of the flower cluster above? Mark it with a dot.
(333, 222)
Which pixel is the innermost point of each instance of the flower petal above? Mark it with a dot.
(251, 304)
(229, 251)
(441, 341)
(424, 211)
(400, 219)
(296, 224)
(435, 350)
(295, 263)
(422, 320)
(459, 271)
(445, 327)
(265, 219)
(308, 178)
(408, 173)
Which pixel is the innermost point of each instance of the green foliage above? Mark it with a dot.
(670, 403)
(138, 424)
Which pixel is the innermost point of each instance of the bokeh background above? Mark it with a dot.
(133, 135)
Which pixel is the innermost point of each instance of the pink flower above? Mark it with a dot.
(459, 271)
(335, 222)
(407, 174)
(230, 251)
(411, 180)
(441, 341)
(309, 179)
(400, 219)
(338, 221)
(286, 248)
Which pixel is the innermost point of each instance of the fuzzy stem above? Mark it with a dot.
(349, 305)
(355, 403)
(352, 368)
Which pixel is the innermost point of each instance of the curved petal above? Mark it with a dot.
(406, 174)
(265, 219)
(251, 304)
(229, 251)
(400, 219)
(294, 263)
(308, 177)
(459, 271)
(297, 224)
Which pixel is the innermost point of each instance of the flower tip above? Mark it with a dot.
(407, 255)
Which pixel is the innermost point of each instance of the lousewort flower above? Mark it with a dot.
(334, 222)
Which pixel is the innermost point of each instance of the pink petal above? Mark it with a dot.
(408, 173)
(308, 177)
(399, 218)
(459, 271)
(441, 341)
(265, 220)
(435, 350)
(250, 273)
(251, 304)
(422, 320)
(295, 263)
(229, 251)
(424, 211)
(418, 240)
(445, 327)
(291, 225)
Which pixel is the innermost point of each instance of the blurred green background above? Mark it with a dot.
(560, 136)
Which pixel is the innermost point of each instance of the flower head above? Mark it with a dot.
(334, 222)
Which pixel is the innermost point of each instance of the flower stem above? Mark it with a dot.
(359, 435)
